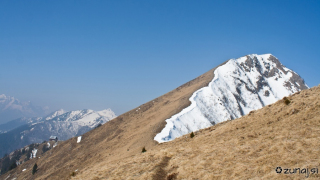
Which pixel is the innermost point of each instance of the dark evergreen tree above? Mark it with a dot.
(192, 135)
(98, 125)
(144, 150)
(34, 169)
(5, 164)
(13, 165)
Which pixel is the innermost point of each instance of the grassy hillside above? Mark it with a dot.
(252, 147)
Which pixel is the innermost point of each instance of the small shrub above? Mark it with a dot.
(251, 112)
(144, 150)
(99, 125)
(191, 134)
(172, 176)
(286, 100)
(73, 174)
(34, 169)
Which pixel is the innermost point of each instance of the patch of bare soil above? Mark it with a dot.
(160, 172)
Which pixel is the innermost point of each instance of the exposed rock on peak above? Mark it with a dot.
(238, 87)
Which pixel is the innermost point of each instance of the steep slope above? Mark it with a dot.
(63, 124)
(110, 144)
(251, 147)
(238, 87)
(22, 155)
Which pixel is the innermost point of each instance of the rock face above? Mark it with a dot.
(62, 124)
(238, 87)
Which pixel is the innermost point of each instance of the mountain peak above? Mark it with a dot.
(107, 112)
(55, 114)
(238, 87)
(11, 108)
(3, 96)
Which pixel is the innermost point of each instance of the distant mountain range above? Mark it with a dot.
(12, 108)
(62, 124)
(24, 120)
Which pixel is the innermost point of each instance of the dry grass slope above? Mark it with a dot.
(279, 135)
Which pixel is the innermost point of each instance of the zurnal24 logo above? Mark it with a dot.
(305, 171)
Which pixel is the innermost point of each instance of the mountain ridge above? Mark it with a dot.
(63, 124)
(10, 125)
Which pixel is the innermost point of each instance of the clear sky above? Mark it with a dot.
(121, 54)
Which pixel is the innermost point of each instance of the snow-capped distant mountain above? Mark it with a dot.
(55, 114)
(86, 117)
(24, 120)
(238, 87)
(11, 108)
(62, 124)
(66, 125)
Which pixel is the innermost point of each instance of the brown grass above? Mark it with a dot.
(247, 148)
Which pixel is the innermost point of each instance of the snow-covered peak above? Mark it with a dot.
(11, 108)
(3, 97)
(238, 87)
(107, 113)
(86, 117)
(252, 56)
(55, 114)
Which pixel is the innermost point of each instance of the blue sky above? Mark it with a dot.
(120, 54)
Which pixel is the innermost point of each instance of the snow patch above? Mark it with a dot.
(34, 153)
(79, 139)
(55, 144)
(7, 177)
